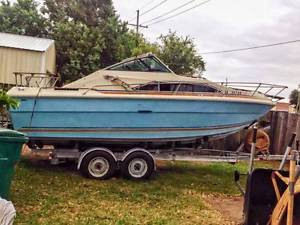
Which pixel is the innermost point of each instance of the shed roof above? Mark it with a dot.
(24, 42)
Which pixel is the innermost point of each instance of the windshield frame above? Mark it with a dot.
(140, 60)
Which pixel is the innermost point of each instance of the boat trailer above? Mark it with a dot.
(134, 162)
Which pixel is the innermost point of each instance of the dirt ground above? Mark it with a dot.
(231, 208)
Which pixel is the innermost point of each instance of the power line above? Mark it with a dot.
(154, 7)
(167, 13)
(177, 14)
(145, 5)
(249, 48)
(132, 18)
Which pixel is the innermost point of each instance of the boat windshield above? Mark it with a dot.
(146, 64)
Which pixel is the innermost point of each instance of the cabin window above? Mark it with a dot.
(135, 65)
(196, 88)
(176, 86)
(154, 65)
(148, 87)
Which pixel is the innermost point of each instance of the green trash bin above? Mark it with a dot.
(11, 143)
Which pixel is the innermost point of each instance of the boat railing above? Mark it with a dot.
(269, 90)
(42, 80)
(224, 88)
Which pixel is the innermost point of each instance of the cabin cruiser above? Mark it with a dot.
(138, 100)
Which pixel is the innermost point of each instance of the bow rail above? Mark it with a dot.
(29, 79)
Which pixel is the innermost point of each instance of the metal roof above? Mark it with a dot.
(24, 42)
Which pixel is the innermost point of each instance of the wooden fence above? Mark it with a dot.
(283, 125)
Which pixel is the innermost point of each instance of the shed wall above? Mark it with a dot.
(50, 59)
(17, 60)
(20, 60)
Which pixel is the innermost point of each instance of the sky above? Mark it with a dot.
(232, 24)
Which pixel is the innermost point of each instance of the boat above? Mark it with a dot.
(139, 100)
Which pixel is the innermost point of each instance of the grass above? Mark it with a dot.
(44, 194)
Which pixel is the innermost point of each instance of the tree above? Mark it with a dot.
(79, 49)
(89, 12)
(101, 39)
(180, 54)
(119, 42)
(22, 18)
(294, 97)
(143, 46)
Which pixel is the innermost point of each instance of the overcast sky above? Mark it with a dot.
(230, 24)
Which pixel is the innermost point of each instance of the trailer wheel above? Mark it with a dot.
(137, 165)
(98, 165)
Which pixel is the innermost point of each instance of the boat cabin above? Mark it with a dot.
(148, 74)
(150, 63)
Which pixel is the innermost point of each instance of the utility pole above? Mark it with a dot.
(137, 25)
(298, 121)
(137, 21)
(298, 103)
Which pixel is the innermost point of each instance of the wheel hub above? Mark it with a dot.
(98, 167)
(137, 167)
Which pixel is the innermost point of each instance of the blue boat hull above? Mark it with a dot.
(115, 119)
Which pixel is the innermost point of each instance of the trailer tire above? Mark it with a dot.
(98, 165)
(137, 165)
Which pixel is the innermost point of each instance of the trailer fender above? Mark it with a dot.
(136, 150)
(90, 150)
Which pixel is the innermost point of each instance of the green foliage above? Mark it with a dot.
(7, 101)
(78, 47)
(79, 28)
(144, 46)
(119, 42)
(90, 12)
(180, 54)
(294, 97)
(101, 39)
(23, 18)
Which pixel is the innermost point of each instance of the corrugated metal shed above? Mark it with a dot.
(19, 53)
